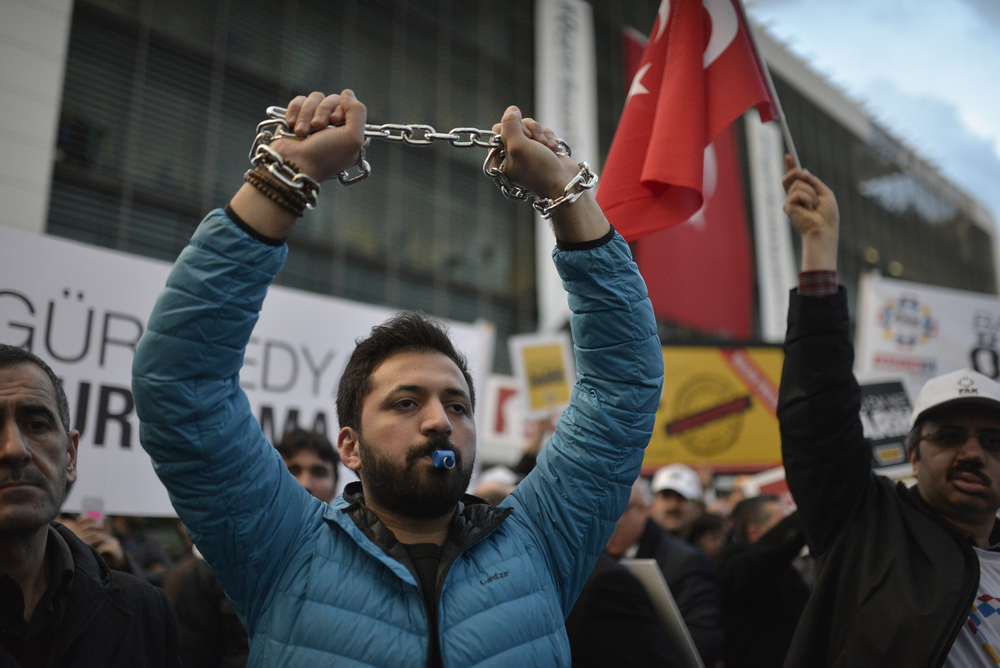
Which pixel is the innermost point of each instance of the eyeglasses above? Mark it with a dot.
(953, 437)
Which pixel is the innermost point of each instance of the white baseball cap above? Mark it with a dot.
(679, 478)
(964, 386)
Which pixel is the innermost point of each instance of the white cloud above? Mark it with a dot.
(929, 70)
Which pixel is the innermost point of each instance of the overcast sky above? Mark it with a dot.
(928, 70)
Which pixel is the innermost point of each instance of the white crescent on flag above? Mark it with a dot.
(663, 12)
(725, 25)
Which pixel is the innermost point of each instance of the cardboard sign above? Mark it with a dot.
(543, 366)
(83, 309)
(885, 415)
(718, 408)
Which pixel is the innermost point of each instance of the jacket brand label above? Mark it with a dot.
(495, 576)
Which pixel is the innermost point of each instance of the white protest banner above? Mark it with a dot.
(914, 332)
(82, 309)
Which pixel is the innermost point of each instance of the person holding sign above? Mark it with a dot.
(904, 577)
(401, 569)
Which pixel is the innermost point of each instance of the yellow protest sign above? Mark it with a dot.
(718, 408)
(543, 366)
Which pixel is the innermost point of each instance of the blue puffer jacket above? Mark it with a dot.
(329, 585)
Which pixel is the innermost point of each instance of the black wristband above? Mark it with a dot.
(587, 245)
(242, 224)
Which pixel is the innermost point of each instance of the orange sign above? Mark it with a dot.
(718, 408)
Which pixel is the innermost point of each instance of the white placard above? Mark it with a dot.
(502, 418)
(82, 309)
(915, 332)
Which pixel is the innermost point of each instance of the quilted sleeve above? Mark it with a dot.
(583, 479)
(226, 482)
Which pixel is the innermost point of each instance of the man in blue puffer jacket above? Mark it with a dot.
(402, 570)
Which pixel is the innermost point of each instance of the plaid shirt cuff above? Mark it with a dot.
(818, 283)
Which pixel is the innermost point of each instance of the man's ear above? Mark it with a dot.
(72, 447)
(914, 455)
(348, 442)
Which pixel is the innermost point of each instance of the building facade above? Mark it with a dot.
(153, 106)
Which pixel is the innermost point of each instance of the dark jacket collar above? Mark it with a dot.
(649, 543)
(913, 495)
(474, 518)
(90, 594)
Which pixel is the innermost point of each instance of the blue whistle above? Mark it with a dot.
(443, 459)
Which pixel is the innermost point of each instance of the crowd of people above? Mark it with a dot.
(405, 568)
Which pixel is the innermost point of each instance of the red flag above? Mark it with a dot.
(698, 74)
(700, 273)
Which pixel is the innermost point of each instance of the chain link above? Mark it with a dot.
(425, 135)
(584, 180)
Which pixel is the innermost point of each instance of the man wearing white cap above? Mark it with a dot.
(904, 576)
(676, 499)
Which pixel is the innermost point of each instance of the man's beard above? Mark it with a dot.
(410, 491)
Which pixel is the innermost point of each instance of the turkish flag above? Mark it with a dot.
(698, 74)
(699, 273)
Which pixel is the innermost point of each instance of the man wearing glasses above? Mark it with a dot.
(904, 576)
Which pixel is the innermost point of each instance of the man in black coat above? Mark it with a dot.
(688, 571)
(762, 593)
(613, 623)
(904, 576)
(60, 604)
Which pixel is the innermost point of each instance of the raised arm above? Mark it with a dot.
(227, 483)
(827, 460)
(569, 503)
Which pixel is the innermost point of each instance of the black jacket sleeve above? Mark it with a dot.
(744, 570)
(827, 459)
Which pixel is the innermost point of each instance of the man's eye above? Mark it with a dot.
(990, 441)
(950, 437)
(37, 425)
(405, 403)
(460, 408)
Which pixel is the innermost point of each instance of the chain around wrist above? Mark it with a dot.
(584, 180)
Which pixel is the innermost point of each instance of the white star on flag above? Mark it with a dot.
(637, 88)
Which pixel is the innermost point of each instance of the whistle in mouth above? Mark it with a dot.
(443, 459)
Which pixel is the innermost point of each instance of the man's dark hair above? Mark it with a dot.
(707, 523)
(750, 511)
(406, 331)
(298, 439)
(13, 356)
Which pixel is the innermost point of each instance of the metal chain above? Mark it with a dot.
(584, 180)
(425, 135)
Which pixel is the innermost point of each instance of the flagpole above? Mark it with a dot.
(770, 86)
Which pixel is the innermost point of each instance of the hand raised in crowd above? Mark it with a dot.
(332, 129)
(97, 536)
(812, 208)
(532, 163)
